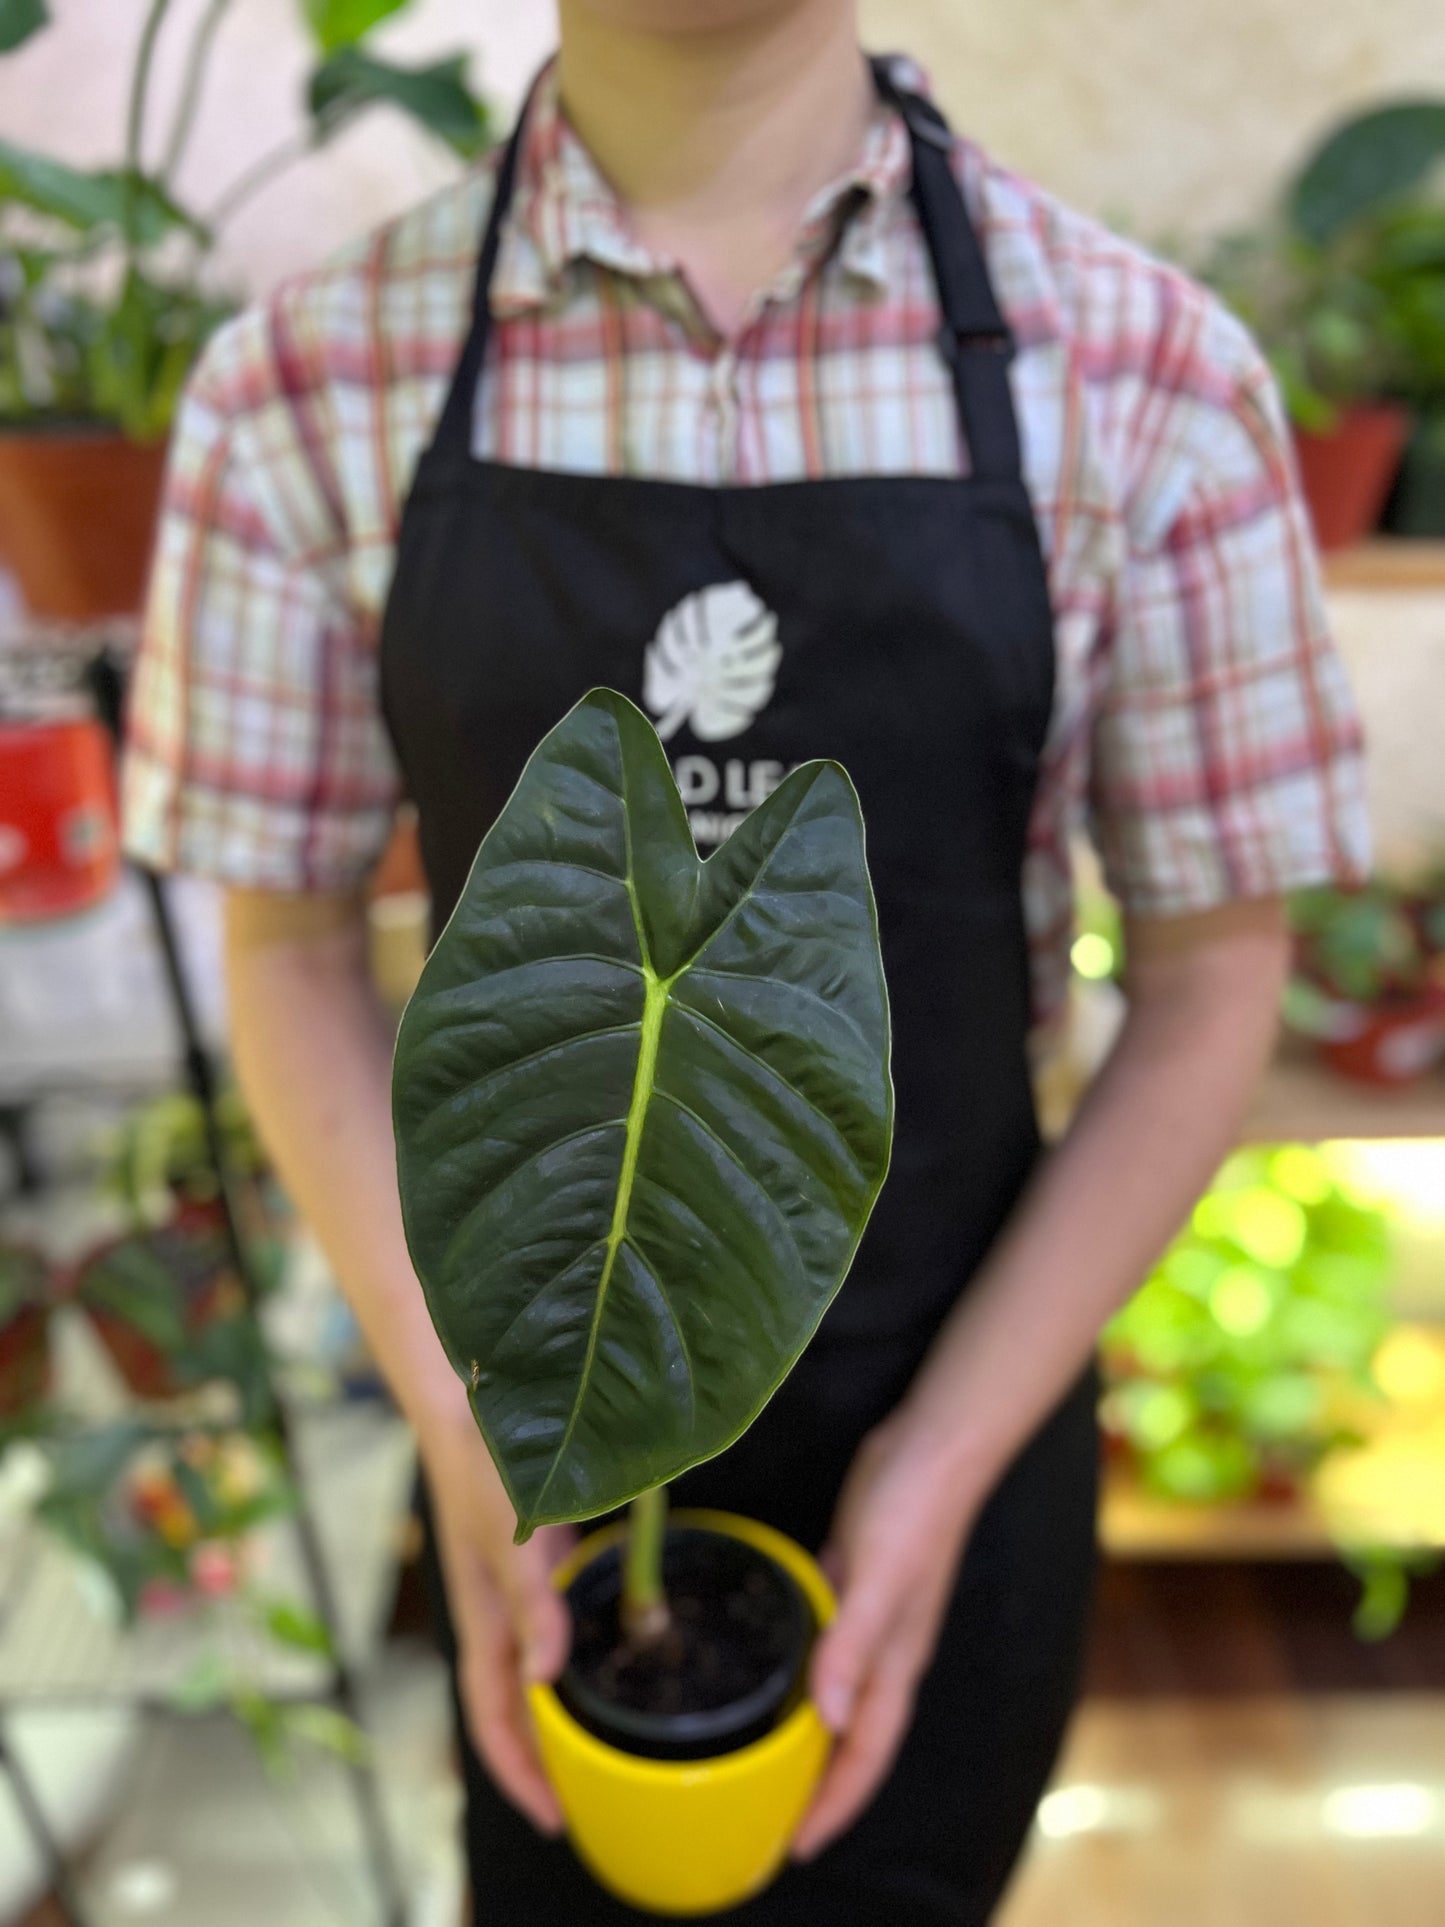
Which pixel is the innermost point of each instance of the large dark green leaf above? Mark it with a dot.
(19, 19)
(1371, 161)
(643, 1111)
(437, 96)
(107, 198)
(340, 23)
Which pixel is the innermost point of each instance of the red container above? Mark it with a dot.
(59, 842)
(1389, 1044)
(1347, 474)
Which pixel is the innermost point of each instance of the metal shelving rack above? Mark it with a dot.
(332, 1683)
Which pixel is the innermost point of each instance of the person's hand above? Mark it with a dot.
(896, 1542)
(512, 1627)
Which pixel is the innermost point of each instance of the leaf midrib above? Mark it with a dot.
(656, 994)
(654, 1003)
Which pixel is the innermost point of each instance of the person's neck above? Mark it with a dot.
(716, 142)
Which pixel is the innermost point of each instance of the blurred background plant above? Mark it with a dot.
(1367, 983)
(105, 299)
(1247, 1362)
(157, 1163)
(164, 1479)
(1225, 1370)
(1344, 286)
(169, 1523)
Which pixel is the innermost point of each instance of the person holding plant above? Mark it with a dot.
(738, 383)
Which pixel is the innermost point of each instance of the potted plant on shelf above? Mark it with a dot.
(106, 295)
(1230, 1371)
(1346, 291)
(157, 1164)
(1367, 981)
(170, 1310)
(172, 1524)
(643, 1111)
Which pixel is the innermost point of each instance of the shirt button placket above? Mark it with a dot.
(724, 397)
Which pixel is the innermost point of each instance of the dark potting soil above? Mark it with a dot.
(730, 1665)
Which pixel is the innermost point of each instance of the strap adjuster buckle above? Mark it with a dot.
(952, 343)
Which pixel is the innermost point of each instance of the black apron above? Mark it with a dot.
(902, 626)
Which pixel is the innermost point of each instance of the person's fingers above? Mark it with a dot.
(544, 1625)
(863, 1759)
(845, 1654)
(497, 1718)
(541, 1623)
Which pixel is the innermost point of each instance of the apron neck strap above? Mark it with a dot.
(974, 339)
(454, 430)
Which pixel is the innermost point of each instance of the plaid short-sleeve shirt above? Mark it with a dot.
(1202, 728)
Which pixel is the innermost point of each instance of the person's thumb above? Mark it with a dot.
(844, 1655)
(543, 1624)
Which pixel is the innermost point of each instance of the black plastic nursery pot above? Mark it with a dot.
(683, 1774)
(730, 1664)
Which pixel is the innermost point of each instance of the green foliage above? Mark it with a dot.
(105, 278)
(145, 1505)
(161, 1153)
(1226, 1370)
(107, 198)
(295, 1626)
(437, 96)
(1345, 287)
(1384, 1576)
(174, 1287)
(643, 1111)
(19, 19)
(1374, 945)
(341, 23)
(1373, 160)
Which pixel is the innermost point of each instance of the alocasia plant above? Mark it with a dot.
(643, 1110)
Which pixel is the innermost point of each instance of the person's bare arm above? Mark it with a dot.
(1203, 997)
(313, 1053)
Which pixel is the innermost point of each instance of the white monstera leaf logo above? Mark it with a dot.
(713, 663)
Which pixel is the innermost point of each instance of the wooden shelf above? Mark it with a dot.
(1300, 1100)
(1135, 1526)
(1399, 565)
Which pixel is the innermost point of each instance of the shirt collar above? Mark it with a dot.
(565, 211)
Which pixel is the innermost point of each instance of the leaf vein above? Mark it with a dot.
(772, 1071)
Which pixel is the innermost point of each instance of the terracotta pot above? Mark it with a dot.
(77, 518)
(1388, 1044)
(206, 1291)
(1348, 473)
(24, 1362)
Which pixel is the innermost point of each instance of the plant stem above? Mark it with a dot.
(135, 118)
(645, 1617)
(197, 62)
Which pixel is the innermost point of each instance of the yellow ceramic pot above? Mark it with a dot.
(689, 1836)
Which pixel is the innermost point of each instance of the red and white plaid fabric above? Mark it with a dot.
(1202, 727)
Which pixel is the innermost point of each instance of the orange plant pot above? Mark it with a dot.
(78, 515)
(59, 837)
(1347, 474)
